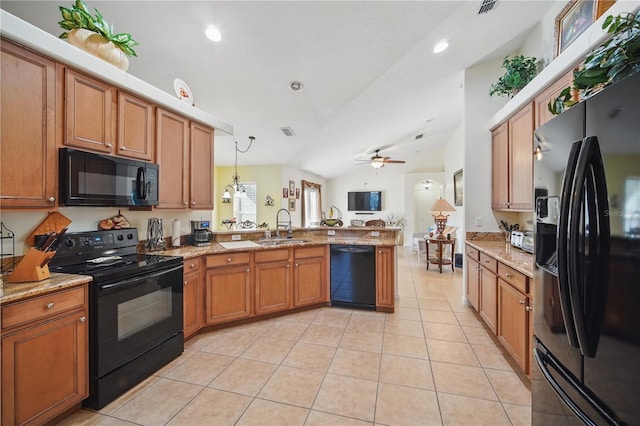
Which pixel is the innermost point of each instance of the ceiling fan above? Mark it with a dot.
(378, 161)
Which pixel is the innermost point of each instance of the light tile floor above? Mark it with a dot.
(432, 362)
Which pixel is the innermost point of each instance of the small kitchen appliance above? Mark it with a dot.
(201, 234)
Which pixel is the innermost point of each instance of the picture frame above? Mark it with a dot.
(292, 204)
(572, 21)
(292, 189)
(285, 193)
(297, 193)
(457, 188)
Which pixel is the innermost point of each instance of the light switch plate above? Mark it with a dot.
(235, 237)
(331, 232)
(375, 233)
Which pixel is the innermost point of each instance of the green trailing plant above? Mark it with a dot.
(520, 70)
(616, 58)
(79, 17)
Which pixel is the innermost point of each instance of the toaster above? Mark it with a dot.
(516, 238)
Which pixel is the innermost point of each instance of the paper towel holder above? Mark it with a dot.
(175, 233)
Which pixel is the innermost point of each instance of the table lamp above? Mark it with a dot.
(441, 205)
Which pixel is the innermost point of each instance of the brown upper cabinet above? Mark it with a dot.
(542, 113)
(184, 151)
(135, 127)
(28, 103)
(512, 162)
(99, 117)
(89, 105)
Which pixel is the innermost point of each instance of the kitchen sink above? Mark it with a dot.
(281, 241)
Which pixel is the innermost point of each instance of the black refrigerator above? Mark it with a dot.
(586, 347)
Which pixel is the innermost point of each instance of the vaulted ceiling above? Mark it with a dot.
(371, 79)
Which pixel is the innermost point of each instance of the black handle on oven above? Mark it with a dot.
(547, 361)
(564, 223)
(589, 247)
(141, 188)
(133, 281)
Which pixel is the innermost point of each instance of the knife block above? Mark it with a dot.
(32, 267)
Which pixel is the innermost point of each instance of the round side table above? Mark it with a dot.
(438, 258)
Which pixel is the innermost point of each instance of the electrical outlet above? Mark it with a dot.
(331, 232)
(235, 237)
(479, 221)
(375, 233)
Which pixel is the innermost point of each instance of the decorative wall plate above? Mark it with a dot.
(183, 91)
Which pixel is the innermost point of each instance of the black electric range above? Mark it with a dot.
(135, 308)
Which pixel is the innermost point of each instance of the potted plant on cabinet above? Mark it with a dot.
(95, 36)
(613, 60)
(520, 70)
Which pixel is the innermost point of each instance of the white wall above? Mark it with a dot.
(454, 160)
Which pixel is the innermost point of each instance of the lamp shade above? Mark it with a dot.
(442, 205)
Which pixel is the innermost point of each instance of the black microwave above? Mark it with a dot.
(88, 179)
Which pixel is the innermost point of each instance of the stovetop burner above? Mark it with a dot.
(107, 255)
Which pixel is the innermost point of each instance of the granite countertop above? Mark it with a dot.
(11, 292)
(188, 252)
(511, 256)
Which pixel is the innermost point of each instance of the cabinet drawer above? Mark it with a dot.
(489, 262)
(272, 255)
(472, 253)
(43, 306)
(215, 260)
(513, 277)
(306, 252)
(191, 265)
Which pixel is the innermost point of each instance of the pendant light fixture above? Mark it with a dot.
(235, 186)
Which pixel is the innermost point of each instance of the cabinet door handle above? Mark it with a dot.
(185, 283)
(522, 302)
(193, 265)
(83, 319)
(193, 203)
(52, 199)
(122, 148)
(248, 270)
(50, 305)
(487, 261)
(289, 265)
(528, 308)
(297, 264)
(228, 259)
(109, 146)
(185, 203)
(508, 275)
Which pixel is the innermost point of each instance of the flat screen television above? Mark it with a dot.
(365, 201)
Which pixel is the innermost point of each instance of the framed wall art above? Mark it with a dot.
(457, 188)
(572, 21)
(292, 204)
(285, 193)
(292, 189)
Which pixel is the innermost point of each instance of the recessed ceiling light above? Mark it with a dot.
(213, 33)
(441, 46)
(296, 86)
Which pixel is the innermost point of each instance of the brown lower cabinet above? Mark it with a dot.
(272, 281)
(228, 287)
(44, 356)
(310, 274)
(385, 276)
(192, 293)
(504, 303)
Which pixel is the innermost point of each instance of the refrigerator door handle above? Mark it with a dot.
(588, 246)
(564, 223)
(546, 361)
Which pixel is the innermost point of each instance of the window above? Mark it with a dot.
(632, 206)
(311, 204)
(245, 206)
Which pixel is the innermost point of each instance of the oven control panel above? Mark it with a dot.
(95, 241)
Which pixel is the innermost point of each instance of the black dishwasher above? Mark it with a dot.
(353, 276)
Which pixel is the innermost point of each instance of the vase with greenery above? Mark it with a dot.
(616, 58)
(520, 70)
(95, 35)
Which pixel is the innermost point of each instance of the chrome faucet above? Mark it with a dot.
(286, 225)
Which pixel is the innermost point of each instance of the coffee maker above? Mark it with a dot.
(201, 235)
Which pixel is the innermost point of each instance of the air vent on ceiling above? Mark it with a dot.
(486, 6)
(419, 136)
(288, 131)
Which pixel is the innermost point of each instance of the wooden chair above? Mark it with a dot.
(375, 222)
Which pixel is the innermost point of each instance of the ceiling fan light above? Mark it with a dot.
(441, 46)
(213, 33)
(376, 164)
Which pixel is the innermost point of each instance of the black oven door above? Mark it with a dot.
(134, 316)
